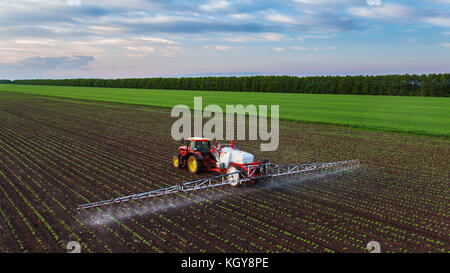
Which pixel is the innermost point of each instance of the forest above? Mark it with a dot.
(435, 85)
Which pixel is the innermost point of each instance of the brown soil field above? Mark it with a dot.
(58, 153)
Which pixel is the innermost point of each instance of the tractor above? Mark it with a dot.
(198, 154)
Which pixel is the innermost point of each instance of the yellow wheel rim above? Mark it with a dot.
(192, 164)
(175, 161)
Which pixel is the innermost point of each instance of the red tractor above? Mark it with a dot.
(198, 154)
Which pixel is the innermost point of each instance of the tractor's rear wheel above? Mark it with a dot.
(176, 161)
(233, 176)
(193, 164)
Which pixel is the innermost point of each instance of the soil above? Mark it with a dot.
(58, 153)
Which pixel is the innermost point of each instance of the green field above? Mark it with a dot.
(416, 115)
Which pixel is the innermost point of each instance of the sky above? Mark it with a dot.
(179, 38)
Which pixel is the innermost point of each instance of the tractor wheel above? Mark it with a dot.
(176, 162)
(193, 164)
(233, 178)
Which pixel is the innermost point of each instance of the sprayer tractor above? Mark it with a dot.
(233, 166)
(199, 155)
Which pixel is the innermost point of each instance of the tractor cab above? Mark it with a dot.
(196, 145)
(202, 145)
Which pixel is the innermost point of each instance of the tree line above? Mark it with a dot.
(436, 85)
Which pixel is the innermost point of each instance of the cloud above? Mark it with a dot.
(299, 48)
(445, 44)
(196, 26)
(73, 2)
(373, 2)
(438, 21)
(280, 18)
(238, 39)
(41, 42)
(156, 40)
(214, 6)
(306, 37)
(218, 47)
(141, 49)
(320, 2)
(171, 51)
(141, 17)
(152, 30)
(242, 16)
(109, 42)
(50, 63)
(274, 37)
(386, 11)
(38, 66)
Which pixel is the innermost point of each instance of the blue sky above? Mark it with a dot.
(144, 38)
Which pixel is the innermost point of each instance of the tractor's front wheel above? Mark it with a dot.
(193, 164)
(233, 175)
(176, 162)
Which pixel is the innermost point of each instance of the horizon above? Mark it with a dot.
(212, 75)
(71, 39)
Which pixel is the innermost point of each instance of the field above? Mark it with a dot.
(56, 153)
(416, 115)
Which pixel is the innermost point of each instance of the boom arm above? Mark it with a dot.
(271, 170)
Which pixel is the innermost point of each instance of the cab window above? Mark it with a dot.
(203, 146)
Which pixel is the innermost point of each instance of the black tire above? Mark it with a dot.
(193, 164)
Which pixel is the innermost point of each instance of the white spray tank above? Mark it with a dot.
(229, 154)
